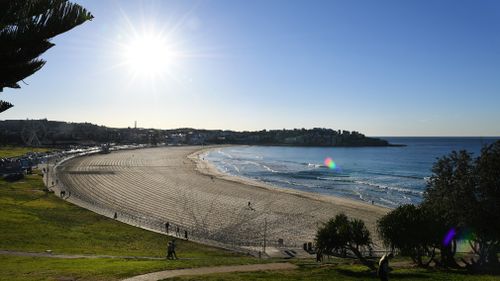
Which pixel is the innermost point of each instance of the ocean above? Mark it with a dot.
(387, 176)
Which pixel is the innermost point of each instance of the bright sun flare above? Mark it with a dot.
(147, 55)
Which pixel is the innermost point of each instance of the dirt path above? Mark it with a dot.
(209, 270)
(65, 256)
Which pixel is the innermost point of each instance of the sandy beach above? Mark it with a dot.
(174, 184)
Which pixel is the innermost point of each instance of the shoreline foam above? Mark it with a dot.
(207, 168)
(149, 187)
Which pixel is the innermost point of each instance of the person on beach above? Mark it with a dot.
(250, 206)
(167, 225)
(186, 234)
(177, 231)
(383, 267)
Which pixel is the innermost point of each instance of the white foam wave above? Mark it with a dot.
(339, 179)
(392, 188)
(234, 167)
(261, 166)
(388, 201)
(269, 169)
(359, 195)
(224, 154)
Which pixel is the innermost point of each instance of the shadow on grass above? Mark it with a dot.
(493, 271)
(371, 274)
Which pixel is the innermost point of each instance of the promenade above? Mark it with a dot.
(149, 187)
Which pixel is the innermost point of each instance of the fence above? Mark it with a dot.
(226, 240)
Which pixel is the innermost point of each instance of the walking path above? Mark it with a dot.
(149, 187)
(162, 274)
(209, 270)
(65, 256)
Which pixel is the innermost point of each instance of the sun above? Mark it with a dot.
(147, 54)
(154, 52)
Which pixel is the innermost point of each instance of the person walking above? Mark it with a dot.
(319, 256)
(174, 255)
(383, 267)
(167, 225)
(169, 250)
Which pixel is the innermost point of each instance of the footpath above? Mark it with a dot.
(154, 276)
(209, 270)
(67, 256)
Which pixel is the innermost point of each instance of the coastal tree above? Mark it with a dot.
(462, 202)
(464, 195)
(413, 231)
(487, 194)
(26, 27)
(450, 196)
(341, 235)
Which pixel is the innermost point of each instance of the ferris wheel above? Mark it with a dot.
(33, 132)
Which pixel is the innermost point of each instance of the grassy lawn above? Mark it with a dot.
(29, 268)
(12, 151)
(34, 221)
(314, 272)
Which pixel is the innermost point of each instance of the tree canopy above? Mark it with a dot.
(466, 192)
(26, 27)
(462, 202)
(412, 230)
(341, 234)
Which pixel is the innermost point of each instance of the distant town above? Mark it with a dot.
(56, 133)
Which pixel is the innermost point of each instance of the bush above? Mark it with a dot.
(413, 231)
(340, 234)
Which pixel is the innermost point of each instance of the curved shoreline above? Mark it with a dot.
(148, 187)
(207, 168)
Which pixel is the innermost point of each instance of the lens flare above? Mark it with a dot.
(330, 163)
(466, 234)
(449, 236)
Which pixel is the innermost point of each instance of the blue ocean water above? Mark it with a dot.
(388, 176)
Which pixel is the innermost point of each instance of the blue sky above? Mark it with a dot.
(384, 68)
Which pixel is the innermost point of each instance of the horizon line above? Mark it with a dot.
(257, 130)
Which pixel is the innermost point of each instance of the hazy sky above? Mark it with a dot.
(379, 67)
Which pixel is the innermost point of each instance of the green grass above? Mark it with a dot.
(13, 151)
(315, 272)
(29, 268)
(34, 221)
(26, 268)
